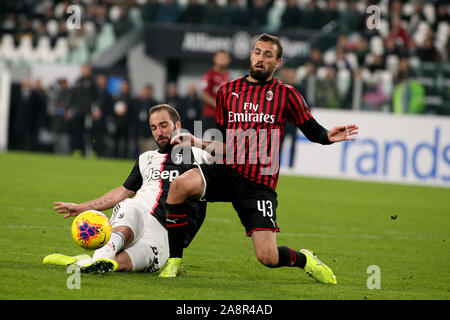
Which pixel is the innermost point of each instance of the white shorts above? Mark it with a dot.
(149, 250)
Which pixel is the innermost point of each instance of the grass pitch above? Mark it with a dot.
(404, 230)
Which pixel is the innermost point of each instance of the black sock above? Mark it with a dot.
(177, 223)
(288, 257)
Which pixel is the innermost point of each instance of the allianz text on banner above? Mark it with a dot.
(390, 148)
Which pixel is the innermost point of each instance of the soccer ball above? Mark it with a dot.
(91, 229)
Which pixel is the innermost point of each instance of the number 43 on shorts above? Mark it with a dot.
(265, 207)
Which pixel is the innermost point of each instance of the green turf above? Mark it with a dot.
(350, 225)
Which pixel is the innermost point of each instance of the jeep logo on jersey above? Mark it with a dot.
(155, 174)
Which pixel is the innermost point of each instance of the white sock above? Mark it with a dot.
(109, 250)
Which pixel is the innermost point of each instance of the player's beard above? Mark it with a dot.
(261, 75)
(164, 145)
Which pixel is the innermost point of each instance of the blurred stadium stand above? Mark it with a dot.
(402, 66)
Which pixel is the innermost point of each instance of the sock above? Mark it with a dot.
(109, 250)
(288, 257)
(177, 224)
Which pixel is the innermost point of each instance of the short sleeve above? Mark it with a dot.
(297, 110)
(134, 180)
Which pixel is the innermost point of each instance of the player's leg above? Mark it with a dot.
(189, 185)
(273, 256)
(150, 252)
(127, 226)
(269, 254)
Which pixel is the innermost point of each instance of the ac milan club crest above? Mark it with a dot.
(269, 95)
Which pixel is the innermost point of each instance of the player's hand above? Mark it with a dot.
(183, 140)
(343, 133)
(71, 209)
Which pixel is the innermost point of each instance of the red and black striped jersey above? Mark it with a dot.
(252, 116)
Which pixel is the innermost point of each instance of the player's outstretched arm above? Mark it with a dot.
(343, 133)
(107, 201)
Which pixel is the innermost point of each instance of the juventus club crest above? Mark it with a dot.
(178, 158)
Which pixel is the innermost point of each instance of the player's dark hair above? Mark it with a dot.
(265, 37)
(173, 113)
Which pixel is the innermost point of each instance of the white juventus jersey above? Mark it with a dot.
(153, 173)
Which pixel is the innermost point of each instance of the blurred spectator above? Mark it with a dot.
(121, 117)
(361, 50)
(168, 11)
(442, 14)
(193, 13)
(150, 10)
(210, 83)
(141, 106)
(83, 95)
(190, 109)
(235, 15)
(409, 95)
(257, 12)
(341, 60)
(428, 52)
(123, 24)
(316, 58)
(311, 16)
(374, 97)
(376, 63)
(350, 20)
(330, 13)
(398, 33)
(60, 121)
(291, 15)
(23, 120)
(327, 95)
(288, 75)
(416, 17)
(101, 110)
(40, 130)
(212, 13)
(172, 97)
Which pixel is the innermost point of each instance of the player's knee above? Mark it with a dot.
(178, 186)
(185, 186)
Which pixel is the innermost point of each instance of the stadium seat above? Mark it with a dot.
(80, 54)
(52, 28)
(61, 50)
(114, 13)
(274, 15)
(321, 72)
(376, 45)
(392, 63)
(344, 81)
(329, 57)
(25, 51)
(105, 40)
(135, 16)
(7, 48)
(43, 50)
(352, 60)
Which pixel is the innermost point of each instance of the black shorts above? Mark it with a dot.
(255, 204)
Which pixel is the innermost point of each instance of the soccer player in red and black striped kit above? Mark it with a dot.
(251, 114)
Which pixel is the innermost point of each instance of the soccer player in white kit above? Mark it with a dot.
(139, 238)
